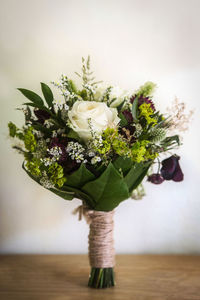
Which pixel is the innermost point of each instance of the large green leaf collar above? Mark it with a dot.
(106, 191)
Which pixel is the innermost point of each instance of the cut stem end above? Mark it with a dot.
(101, 278)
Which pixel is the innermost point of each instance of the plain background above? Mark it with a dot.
(130, 42)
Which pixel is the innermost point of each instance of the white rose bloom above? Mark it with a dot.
(99, 113)
(119, 95)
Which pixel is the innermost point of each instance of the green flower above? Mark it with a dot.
(146, 89)
(138, 151)
(112, 140)
(146, 111)
(57, 174)
(33, 166)
(12, 129)
(29, 140)
(150, 155)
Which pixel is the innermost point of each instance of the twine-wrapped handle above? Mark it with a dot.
(101, 242)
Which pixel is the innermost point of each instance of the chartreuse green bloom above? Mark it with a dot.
(29, 139)
(12, 129)
(146, 89)
(56, 174)
(146, 111)
(150, 155)
(112, 140)
(140, 152)
(33, 166)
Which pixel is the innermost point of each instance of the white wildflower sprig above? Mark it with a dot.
(60, 104)
(76, 152)
(47, 161)
(179, 119)
(45, 181)
(66, 91)
(55, 152)
(93, 144)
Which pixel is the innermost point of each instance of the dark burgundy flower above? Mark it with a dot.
(128, 115)
(171, 169)
(155, 178)
(41, 115)
(142, 100)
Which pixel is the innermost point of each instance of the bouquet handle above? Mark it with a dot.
(101, 248)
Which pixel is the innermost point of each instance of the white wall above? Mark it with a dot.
(129, 42)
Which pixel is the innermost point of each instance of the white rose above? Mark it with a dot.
(119, 95)
(99, 113)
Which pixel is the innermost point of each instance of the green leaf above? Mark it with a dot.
(119, 108)
(48, 95)
(43, 129)
(63, 194)
(32, 96)
(80, 177)
(33, 105)
(73, 135)
(108, 190)
(136, 175)
(123, 163)
(170, 140)
(80, 195)
(135, 109)
(123, 121)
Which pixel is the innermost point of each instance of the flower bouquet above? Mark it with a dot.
(96, 143)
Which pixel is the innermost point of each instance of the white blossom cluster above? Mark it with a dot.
(76, 152)
(45, 182)
(60, 104)
(95, 160)
(55, 152)
(47, 161)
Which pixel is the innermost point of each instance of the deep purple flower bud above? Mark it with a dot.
(41, 115)
(128, 115)
(142, 100)
(155, 178)
(171, 169)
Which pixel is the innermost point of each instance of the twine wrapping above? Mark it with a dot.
(101, 243)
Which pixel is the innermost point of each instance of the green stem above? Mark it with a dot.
(101, 278)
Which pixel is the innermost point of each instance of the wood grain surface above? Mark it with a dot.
(138, 277)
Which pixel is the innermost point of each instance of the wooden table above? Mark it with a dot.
(139, 277)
